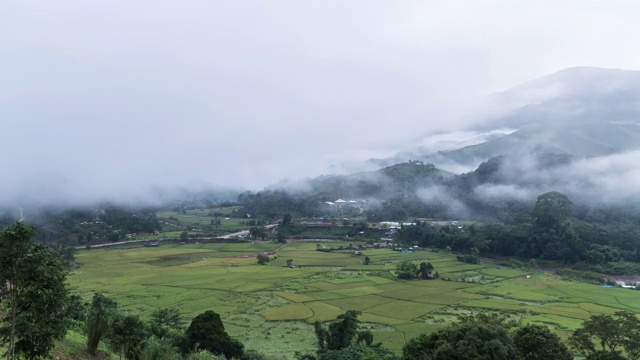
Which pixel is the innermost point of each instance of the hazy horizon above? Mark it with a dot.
(117, 100)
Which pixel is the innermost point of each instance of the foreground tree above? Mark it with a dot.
(207, 332)
(100, 316)
(167, 324)
(159, 349)
(33, 277)
(340, 334)
(359, 352)
(613, 332)
(535, 342)
(126, 336)
(462, 342)
(343, 340)
(168, 317)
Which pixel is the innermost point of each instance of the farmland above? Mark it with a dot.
(209, 222)
(271, 307)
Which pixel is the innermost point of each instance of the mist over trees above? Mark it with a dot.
(515, 216)
(502, 189)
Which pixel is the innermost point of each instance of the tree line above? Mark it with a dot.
(38, 309)
(551, 233)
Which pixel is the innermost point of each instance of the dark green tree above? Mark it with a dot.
(100, 315)
(281, 238)
(551, 210)
(126, 336)
(167, 323)
(367, 260)
(286, 219)
(253, 355)
(613, 332)
(535, 342)
(425, 269)
(169, 317)
(365, 337)
(207, 332)
(262, 259)
(76, 308)
(343, 331)
(159, 349)
(406, 270)
(462, 342)
(33, 277)
(257, 232)
(340, 333)
(359, 352)
(184, 236)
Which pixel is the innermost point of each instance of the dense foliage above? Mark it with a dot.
(616, 335)
(410, 270)
(34, 278)
(206, 332)
(550, 227)
(550, 234)
(99, 318)
(79, 226)
(344, 339)
(489, 337)
(465, 341)
(33, 283)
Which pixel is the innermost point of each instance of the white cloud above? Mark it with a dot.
(120, 96)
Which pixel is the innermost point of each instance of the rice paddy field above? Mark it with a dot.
(271, 308)
(198, 223)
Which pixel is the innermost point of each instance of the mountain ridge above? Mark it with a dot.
(583, 111)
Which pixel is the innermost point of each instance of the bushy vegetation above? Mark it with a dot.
(35, 296)
(314, 295)
(550, 227)
(410, 270)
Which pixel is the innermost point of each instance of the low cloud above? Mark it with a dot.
(604, 180)
(489, 192)
(439, 196)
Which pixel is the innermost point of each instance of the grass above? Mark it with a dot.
(74, 347)
(293, 311)
(360, 303)
(270, 308)
(294, 297)
(198, 222)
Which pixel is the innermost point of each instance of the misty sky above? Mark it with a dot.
(107, 98)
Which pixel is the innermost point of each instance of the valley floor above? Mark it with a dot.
(271, 307)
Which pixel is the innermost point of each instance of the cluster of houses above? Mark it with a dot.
(341, 202)
(408, 250)
(129, 236)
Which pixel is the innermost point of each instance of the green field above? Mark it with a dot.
(198, 223)
(271, 308)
